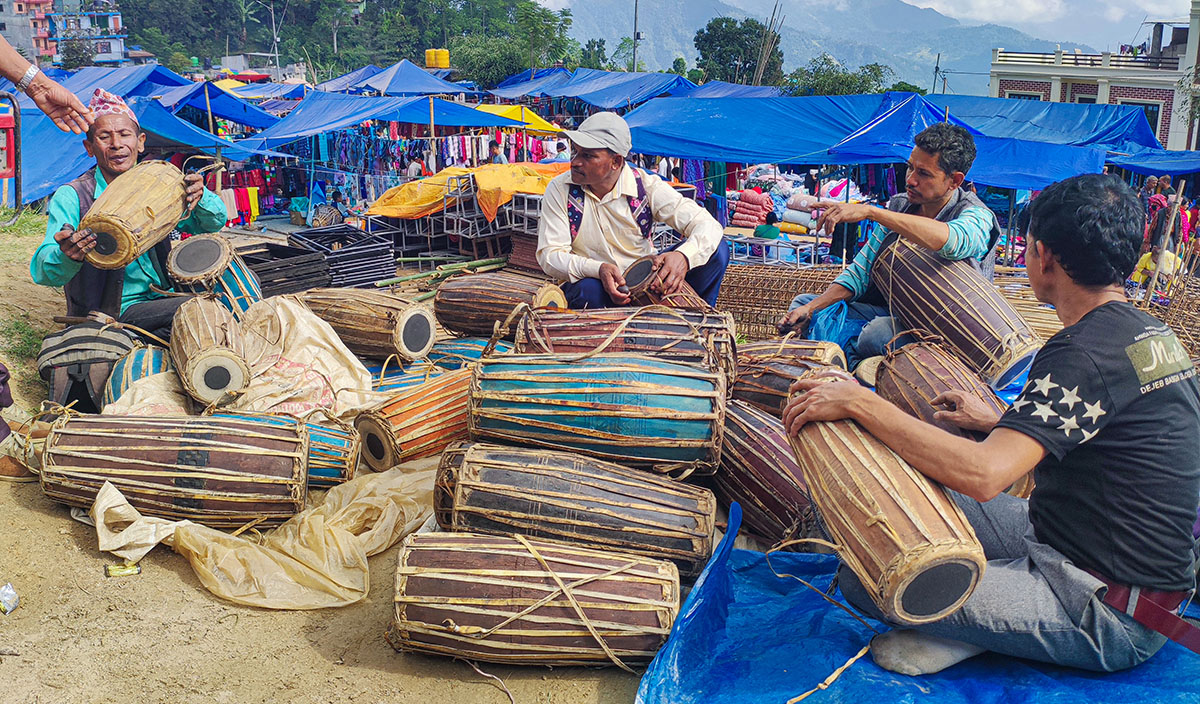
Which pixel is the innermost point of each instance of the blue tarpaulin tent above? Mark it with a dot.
(536, 88)
(1159, 161)
(721, 89)
(407, 79)
(879, 129)
(40, 176)
(202, 96)
(747, 636)
(325, 112)
(530, 74)
(347, 81)
(266, 91)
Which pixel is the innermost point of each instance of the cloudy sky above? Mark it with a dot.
(1104, 24)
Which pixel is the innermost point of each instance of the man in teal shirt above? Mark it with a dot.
(115, 140)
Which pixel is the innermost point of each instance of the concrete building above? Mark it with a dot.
(1149, 79)
(15, 27)
(42, 44)
(98, 22)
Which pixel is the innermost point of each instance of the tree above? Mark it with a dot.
(729, 51)
(679, 66)
(243, 11)
(695, 75)
(824, 75)
(179, 63)
(545, 32)
(76, 52)
(487, 60)
(593, 55)
(906, 87)
(622, 57)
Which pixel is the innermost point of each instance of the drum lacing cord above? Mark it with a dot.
(693, 329)
(857, 656)
(500, 331)
(27, 428)
(499, 682)
(566, 591)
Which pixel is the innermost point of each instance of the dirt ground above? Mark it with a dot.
(80, 637)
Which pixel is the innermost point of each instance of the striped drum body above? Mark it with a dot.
(138, 364)
(209, 264)
(630, 409)
(333, 446)
(454, 354)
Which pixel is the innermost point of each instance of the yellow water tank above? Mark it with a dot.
(431, 58)
(443, 58)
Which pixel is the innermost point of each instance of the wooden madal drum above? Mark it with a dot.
(206, 346)
(333, 446)
(135, 212)
(221, 472)
(473, 304)
(763, 381)
(899, 532)
(759, 471)
(688, 337)
(209, 264)
(955, 302)
(568, 498)
(520, 601)
(374, 323)
(641, 275)
(821, 351)
(913, 375)
(417, 422)
(631, 409)
(139, 363)
(458, 352)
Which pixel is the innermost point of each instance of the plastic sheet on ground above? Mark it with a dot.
(155, 395)
(317, 559)
(747, 636)
(495, 183)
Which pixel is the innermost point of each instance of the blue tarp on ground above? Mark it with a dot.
(325, 112)
(1159, 161)
(202, 96)
(267, 91)
(347, 81)
(746, 636)
(529, 74)
(721, 89)
(41, 176)
(537, 88)
(407, 79)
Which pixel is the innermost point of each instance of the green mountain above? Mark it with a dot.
(855, 32)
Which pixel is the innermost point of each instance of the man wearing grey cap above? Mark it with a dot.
(597, 219)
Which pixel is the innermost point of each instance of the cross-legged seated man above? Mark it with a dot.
(597, 218)
(1089, 571)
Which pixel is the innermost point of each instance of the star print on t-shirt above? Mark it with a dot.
(1042, 395)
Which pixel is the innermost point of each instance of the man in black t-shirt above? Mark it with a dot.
(1102, 553)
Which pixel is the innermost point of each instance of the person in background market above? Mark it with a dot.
(1144, 270)
(934, 212)
(597, 219)
(770, 230)
(496, 155)
(58, 103)
(339, 202)
(115, 141)
(562, 155)
(1164, 186)
(1089, 571)
(415, 170)
(1146, 193)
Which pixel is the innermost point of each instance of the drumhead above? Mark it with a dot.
(937, 591)
(197, 256)
(416, 335)
(106, 244)
(217, 373)
(378, 444)
(639, 272)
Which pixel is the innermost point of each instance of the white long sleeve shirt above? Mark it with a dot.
(609, 234)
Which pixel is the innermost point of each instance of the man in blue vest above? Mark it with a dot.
(934, 212)
(597, 220)
(115, 140)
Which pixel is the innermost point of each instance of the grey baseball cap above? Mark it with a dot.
(604, 130)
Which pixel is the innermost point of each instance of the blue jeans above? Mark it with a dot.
(706, 279)
(880, 328)
(1032, 602)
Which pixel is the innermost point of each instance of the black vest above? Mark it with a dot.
(959, 201)
(95, 289)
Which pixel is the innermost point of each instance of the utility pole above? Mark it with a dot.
(937, 69)
(635, 33)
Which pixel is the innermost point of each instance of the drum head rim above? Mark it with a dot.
(214, 249)
(378, 445)
(406, 347)
(198, 369)
(637, 276)
(937, 572)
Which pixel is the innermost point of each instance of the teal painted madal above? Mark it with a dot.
(455, 354)
(333, 446)
(394, 377)
(629, 409)
(237, 288)
(137, 364)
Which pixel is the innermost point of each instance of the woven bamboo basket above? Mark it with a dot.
(135, 212)
(758, 295)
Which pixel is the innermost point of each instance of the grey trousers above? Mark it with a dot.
(1032, 602)
(154, 316)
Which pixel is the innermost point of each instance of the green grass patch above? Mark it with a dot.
(20, 338)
